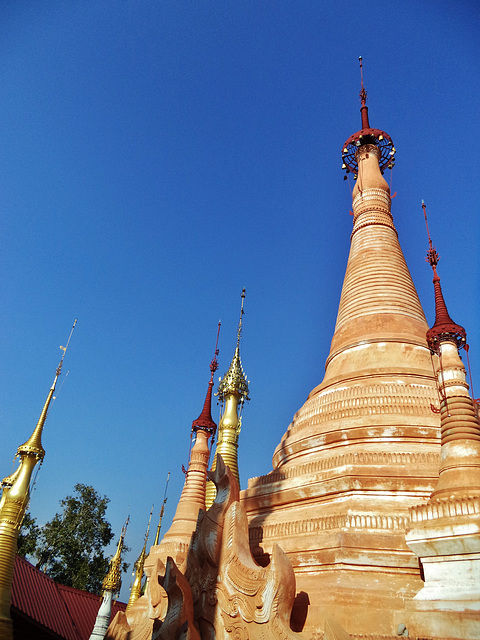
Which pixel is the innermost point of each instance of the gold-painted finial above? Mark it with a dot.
(113, 580)
(235, 380)
(239, 331)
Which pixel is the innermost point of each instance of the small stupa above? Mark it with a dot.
(445, 532)
(111, 586)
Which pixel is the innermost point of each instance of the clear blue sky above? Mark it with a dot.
(156, 157)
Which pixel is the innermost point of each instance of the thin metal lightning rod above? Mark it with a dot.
(162, 510)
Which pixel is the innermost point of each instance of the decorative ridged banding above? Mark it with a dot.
(362, 200)
(372, 206)
(227, 443)
(229, 458)
(193, 495)
(374, 216)
(365, 400)
(455, 383)
(376, 458)
(12, 516)
(368, 289)
(445, 509)
(342, 521)
(6, 566)
(194, 488)
(459, 421)
(459, 475)
(459, 433)
(377, 279)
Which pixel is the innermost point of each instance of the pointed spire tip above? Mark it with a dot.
(444, 328)
(205, 420)
(235, 381)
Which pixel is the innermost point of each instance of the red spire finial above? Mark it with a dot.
(204, 420)
(432, 255)
(214, 362)
(363, 100)
(444, 328)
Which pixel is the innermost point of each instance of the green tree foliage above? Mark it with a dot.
(28, 537)
(71, 546)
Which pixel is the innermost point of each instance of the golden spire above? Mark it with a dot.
(113, 580)
(111, 585)
(14, 502)
(232, 391)
(136, 590)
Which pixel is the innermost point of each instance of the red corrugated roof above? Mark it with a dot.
(66, 611)
(83, 608)
(37, 596)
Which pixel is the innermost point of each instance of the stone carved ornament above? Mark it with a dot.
(223, 594)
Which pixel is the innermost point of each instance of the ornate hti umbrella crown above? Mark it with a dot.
(235, 380)
(444, 328)
(367, 135)
(113, 580)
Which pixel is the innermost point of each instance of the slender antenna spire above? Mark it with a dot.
(162, 510)
(64, 349)
(214, 362)
(34, 443)
(444, 328)
(239, 331)
(235, 381)
(147, 533)
(432, 255)
(363, 100)
(124, 528)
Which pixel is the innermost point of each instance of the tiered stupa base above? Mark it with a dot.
(365, 446)
(344, 537)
